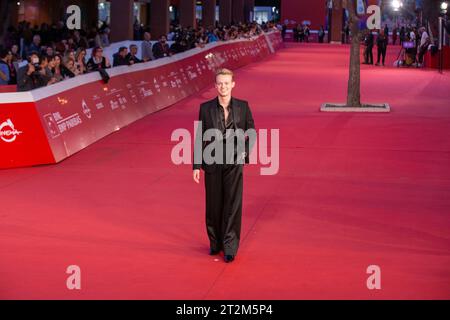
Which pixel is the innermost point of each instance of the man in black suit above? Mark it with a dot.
(368, 42)
(120, 57)
(161, 48)
(234, 134)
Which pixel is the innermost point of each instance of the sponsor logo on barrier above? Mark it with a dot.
(58, 125)
(8, 132)
(86, 110)
(52, 126)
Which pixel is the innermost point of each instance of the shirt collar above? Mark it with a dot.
(229, 105)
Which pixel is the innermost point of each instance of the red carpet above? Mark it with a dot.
(353, 190)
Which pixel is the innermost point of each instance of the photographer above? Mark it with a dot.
(35, 75)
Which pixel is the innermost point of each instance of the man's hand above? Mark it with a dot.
(196, 175)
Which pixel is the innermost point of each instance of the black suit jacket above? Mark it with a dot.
(209, 117)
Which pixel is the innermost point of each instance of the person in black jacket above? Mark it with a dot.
(368, 42)
(224, 174)
(120, 57)
(97, 61)
(295, 33)
(132, 55)
(321, 34)
(178, 46)
(35, 75)
(382, 42)
(161, 48)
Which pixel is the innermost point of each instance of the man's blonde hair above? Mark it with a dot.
(224, 72)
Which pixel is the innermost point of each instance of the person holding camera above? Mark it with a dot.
(36, 74)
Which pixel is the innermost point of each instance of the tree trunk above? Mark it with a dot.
(354, 86)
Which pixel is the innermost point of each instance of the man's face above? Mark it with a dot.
(224, 85)
(124, 52)
(134, 50)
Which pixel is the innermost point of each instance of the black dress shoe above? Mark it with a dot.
(228, 258)
(213, 252)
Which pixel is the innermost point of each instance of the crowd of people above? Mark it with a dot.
(54, 53)
(414, 41)
(301, 33)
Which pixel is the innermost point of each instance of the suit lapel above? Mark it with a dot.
(236, 113)
(215, 117)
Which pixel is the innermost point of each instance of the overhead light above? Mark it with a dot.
(170, 8)
(396, 4)
(444, 6)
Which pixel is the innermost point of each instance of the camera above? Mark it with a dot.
(35, 62)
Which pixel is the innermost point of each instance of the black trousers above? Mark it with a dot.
(368, 55)
(422, 51)
(224, 207)
(381, 54)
